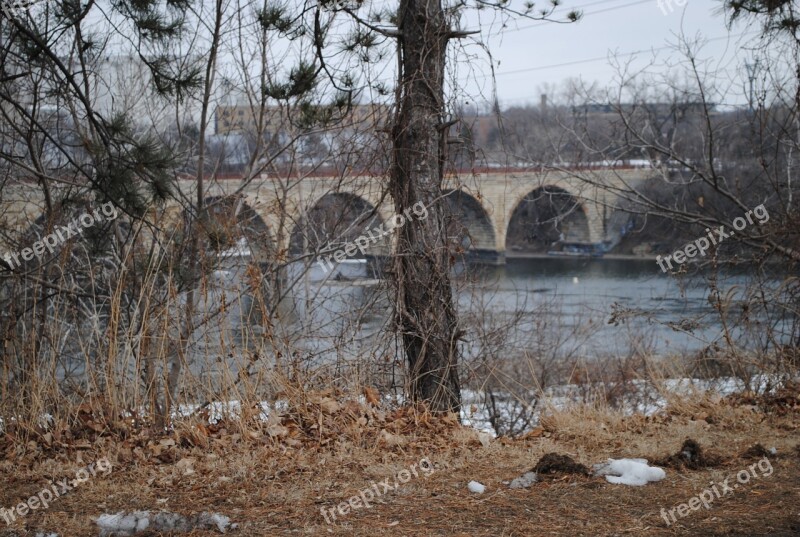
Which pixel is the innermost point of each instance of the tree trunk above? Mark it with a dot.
(427, 318)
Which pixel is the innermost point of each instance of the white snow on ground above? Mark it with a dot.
(124, 524)
(476, 487)
(219, 410)
(634, 472)
(127, 524)
(524, 481)
(642, 398)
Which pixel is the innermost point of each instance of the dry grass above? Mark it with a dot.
(274, 478)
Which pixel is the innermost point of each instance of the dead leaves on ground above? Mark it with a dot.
(781, 401)
(326, 418)
(318, 421)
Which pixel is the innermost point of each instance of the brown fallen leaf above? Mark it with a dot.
(186, 465)
(276, 430)
(372, 396)
(328, 405)
(391, 439)
(535, 433)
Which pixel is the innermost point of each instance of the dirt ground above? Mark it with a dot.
(275, 479)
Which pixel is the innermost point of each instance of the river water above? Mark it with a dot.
(588, 306)
(581, 295)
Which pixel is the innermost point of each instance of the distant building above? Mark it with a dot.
(332, 142)
(271, 120)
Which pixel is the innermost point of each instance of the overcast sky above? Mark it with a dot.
(532, 57)
(531, 54)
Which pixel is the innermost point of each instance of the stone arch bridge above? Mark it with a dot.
(485, 203)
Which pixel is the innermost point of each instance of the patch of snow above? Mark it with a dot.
(476, 487)
(220, 521)
(123, 524)
(218, 410)
(524, 481)
(633, 472)
(642, 397)
(127, 524)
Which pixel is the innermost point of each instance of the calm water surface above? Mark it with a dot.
(572, 299)
(580, 295)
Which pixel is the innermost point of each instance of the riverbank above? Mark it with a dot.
(282, 477)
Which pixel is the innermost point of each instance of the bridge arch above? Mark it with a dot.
(547, 214)
(469, 222)
(337, 219)
(229, 219)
